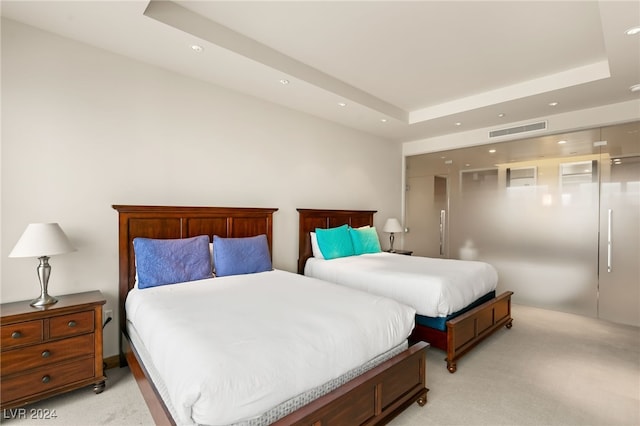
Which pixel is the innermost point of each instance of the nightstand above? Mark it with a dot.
(396, 251)
(52, 350)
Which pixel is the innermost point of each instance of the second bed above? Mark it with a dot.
(455, 300)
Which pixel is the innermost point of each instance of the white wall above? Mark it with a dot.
(83, 129)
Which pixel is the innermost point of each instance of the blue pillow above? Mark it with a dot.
(335, 242)
(170, 261)
(235, 256)
(365, 240)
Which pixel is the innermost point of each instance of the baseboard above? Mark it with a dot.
(111, 362)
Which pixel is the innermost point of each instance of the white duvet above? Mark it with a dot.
(231, 348)
(433, 287)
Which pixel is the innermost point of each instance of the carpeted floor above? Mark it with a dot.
(551, 368)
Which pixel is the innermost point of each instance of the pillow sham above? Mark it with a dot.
(235, 256)
(365, 240)
(315, 249)
(335, 242)
(171, 261)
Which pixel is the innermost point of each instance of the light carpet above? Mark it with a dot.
(551, 368)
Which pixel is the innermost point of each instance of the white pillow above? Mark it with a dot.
(315, 248)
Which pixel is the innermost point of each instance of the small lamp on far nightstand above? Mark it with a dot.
(392, 226)
(42, 240)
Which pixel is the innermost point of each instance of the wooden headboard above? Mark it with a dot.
(310, 219)
(181, 222)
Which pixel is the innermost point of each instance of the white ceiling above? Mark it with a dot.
(421, 65)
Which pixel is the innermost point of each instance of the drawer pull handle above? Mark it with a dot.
(46, 354)
(72, 323)
(16, 335)
(46, 379)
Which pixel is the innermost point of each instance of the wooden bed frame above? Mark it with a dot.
(463, 332)
(375, 397)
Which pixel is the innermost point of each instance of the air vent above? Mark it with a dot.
(542, 125)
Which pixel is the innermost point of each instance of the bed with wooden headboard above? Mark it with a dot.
(462, 333)
(371, 398)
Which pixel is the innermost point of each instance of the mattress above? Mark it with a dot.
(433, 287)
(230, 349)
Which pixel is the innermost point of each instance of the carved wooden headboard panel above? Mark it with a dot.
(310, 219)
(181, 222)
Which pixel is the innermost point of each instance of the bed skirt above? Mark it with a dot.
(440, 323)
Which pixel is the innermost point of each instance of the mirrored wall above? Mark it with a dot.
(557, 215)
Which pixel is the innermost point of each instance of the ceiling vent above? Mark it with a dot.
(541, 125)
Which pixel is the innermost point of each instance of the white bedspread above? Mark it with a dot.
(433, 287)
(231, 348)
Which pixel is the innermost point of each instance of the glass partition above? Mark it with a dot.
(529, 207)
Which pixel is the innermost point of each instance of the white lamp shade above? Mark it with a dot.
(42, 239)
(392, 225)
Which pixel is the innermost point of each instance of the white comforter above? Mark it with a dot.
(433, 287)
(231, 348)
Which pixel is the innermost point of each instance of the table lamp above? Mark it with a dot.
(392, 226)
(42, 240)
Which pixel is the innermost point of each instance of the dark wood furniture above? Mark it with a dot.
(372, 398)
(463, 332)
(398, 251)
(52, 350)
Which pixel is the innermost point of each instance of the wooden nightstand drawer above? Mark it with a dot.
(69, 325)
(22, 333)
(46, 379)
(45, 354)
(58, 348)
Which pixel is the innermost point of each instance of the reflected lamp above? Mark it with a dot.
(391, 226)
(42, 240)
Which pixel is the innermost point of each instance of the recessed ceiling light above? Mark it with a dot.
(491, 151)
(633, 30)
(284, 81)
(502, 114)
(458, 123)
(384, 120)
(561, 142)
(197, 48)
(342, 104)
(553, 104)
(635, 88)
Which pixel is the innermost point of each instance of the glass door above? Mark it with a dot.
(619, 265)
(427, 215)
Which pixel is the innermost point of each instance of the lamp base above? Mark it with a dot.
(43, 300)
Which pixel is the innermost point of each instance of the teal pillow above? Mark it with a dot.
(365, 240)
(335, 242)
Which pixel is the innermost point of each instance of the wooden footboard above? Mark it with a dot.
(467, 330)
(372, 398)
